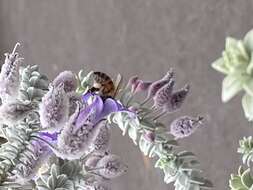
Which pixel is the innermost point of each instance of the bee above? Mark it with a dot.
(103, 85)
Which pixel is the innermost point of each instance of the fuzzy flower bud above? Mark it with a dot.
(149, 136)
(12, 112)
(72, 142)
(101, 137)
(177, 99)
(157, 85)
(92, 160)
(132, 81)
(68, 79)
(54, 108)
(111, 166)
(169, 75)
(164, 94)
(185, 126)
(142, 86)
(76, 140)
(9, 76)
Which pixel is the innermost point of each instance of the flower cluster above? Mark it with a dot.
(58, 133)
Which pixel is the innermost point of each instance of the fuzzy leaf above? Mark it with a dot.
(247, 104)
(231, 85)
(248, 86)
(219, 65)
(248, 41)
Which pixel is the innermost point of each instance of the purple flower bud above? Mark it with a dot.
(68, 79)
(177, 99)
(149, 136)
(169, 75)
(164, 94)
(132, 81)
(54, 108)
(111, 166)
(185, 126)
(154, 87)
(12, 112)
(142, 86)
(9, 76)
(133, 109)
(134, 86)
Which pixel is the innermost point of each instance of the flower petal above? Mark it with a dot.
(92, 111)
(110, 106)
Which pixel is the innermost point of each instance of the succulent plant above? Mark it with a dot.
(237, 64)
(246, 149)
(242, 181)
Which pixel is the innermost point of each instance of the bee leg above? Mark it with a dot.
(93, 89)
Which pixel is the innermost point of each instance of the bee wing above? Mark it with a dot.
(117, 83)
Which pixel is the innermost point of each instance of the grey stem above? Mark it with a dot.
(160, 115)
(15, 48)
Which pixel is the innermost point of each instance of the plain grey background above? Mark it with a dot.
(143, 37)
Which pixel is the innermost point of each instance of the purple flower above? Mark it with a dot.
(100, 108)
(54, 108)
(177, 99)
(157, 85)
(49, 136)
(85, 130)
(74, 140)
(164, 94)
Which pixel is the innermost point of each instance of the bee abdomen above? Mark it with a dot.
(101, 78)
(104, 83)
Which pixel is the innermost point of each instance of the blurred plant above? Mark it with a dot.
(242, 181)
(246, 149)
(237, 64)
(58, 133)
